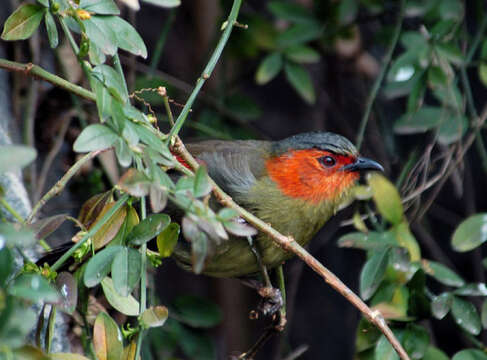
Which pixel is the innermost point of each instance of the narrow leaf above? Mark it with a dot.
(107, 338)
(373, 273)
(300, 79)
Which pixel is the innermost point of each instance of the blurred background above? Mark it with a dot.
(290, 67)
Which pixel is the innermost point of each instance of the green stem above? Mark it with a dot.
(59, 186)
(50, 329)
(168, 109)
(38, 72)
(91, 232)
(375, 89)
(143, 281)
(282, 287)
(156, 56)
(209, 67)
(11, 210)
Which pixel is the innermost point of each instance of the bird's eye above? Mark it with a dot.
(327, 161)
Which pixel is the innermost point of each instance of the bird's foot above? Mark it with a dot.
(271, 300)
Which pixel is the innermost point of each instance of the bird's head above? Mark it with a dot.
(316, 167)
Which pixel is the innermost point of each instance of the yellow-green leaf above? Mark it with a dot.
(23, 22)
(386, 198)
(107, 338)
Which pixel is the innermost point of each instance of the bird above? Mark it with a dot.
(295, 184)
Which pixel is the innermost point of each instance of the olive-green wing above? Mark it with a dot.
(234, 165)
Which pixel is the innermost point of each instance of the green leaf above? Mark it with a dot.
(483, 314)
(125, 304)
(466, 315)
(199, 250)
(290, 11)
(347, 11)
(302, 54)
(97, 57)
(300, 34)
(373, 273)
(441, 273)
(135, 183)
(196, 311)
(126, 269)
(164, 3)
(51, 29)
(34, 288)
(471, 233)
(470, 354)
(148, 228)
(99, 266)
(23, 22)
(101, 7)
(95, 137)
(44, 3)
(433, 353)
(404, 67)
(269, 67)
(103, 99)
(202, 185)
(167, 239)
(413, 40)
(154, 316)
(386, 198)
(415, 340)
(112, 80)
(15, 157)
(300, 79)
(437, 77)
(474, 289)
(367, 241)
(441, 305)
(123, 152)
(7, 261)
(99, 32)
(107, 338)
(384, 350)
(227, 214)
(16, 235)
(67, 356)
(238, 228)
(127, 38)
(451, 52)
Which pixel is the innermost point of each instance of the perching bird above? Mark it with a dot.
(295, 185)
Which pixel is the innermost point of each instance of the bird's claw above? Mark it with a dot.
(271, 301)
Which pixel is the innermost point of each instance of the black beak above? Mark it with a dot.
(362, 164)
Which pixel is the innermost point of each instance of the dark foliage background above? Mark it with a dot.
(345, 60)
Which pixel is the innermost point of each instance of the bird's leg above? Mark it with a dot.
(271, 297)
(279, 320)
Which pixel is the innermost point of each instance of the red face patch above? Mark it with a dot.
(312, 175)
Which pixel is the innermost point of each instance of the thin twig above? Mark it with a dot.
(60, 185)
(208, 69)
(289, 244)
(378, 81)
(66, 120)
(161, 41)
(39, 73)
(11, 210)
